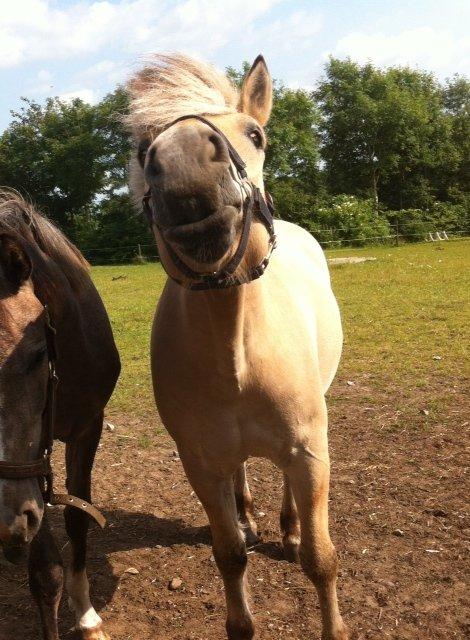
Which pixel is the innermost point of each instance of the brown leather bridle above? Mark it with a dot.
(253, 202)
(42, 468)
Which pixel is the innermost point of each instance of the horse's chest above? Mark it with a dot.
(251, 393)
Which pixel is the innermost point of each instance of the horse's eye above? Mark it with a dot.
(256, 138)
(36, 359)
(142, 149)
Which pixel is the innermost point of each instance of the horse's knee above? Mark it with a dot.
(46, 581)
(45, 567)
(320, 565)
(231, 560)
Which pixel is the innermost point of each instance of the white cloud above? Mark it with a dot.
(429, 47)
(87, 95)
(103, 72)
(40, 30)
(292, 34)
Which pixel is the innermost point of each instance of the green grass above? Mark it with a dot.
(130, 293)
(399, 313)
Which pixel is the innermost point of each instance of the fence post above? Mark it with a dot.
(397, 235)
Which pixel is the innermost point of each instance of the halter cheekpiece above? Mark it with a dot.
(253, 203)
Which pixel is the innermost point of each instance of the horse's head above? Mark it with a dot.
(23, 388)
(197, 198)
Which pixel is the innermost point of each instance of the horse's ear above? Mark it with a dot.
(256, 98)
(14, 260)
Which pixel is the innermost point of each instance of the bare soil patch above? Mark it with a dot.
(398, 517)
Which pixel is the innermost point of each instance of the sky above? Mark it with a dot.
(83, 48)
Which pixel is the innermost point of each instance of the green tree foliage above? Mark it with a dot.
(114, 231)
(116, 142)
(369, 149)
(65, 154)
(292, 166)
(53, 153)
(348, 218)
(456, 97)
(385, 134)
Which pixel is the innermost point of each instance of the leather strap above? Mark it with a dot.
(22, 471)
(71, 501)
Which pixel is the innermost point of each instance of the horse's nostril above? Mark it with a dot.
(32, 522)
(218, 154)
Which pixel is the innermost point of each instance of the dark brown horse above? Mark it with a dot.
(40, 268)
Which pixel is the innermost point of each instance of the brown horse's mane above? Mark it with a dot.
(21, 218)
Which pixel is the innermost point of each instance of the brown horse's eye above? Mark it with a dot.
(36, 359)
(256, 138)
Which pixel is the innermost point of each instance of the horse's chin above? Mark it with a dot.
(207, 240)
(17, 555)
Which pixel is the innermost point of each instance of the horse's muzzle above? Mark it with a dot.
(209, 239)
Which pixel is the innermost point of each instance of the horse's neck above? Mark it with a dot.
(220, 320)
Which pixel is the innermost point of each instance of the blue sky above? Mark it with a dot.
(82, 47)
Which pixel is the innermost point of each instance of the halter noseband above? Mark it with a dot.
(252, 203)
(42, 468)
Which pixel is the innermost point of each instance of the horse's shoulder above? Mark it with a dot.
(296, 243)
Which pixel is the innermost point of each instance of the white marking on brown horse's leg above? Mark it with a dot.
(309, 478)
(245, 508)
(86, 619)
(290, 524)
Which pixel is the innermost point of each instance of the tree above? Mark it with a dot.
(52, 153)
(116, 141)
(384, 133)
(113, 231)
(456, 97)
(65, 154)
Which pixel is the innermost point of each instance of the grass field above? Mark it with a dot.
(398, 510)
(405, 318)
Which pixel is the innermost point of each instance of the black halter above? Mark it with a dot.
(252, 203)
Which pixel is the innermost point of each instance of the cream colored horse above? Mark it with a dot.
(240, 371)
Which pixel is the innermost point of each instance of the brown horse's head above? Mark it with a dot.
(197, 203)
(23, 388)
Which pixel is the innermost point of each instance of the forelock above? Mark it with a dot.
(171, 86)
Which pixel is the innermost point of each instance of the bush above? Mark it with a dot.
(415, 224)
(347, 218)
(113, 231)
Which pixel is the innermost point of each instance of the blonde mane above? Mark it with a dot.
(174, 85)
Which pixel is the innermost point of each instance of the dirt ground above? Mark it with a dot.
(398, 519)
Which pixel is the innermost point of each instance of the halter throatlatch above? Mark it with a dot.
(42, 468)
(253, 203)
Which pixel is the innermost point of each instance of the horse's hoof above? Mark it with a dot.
(340, 634)
(251, 538)
(96, 633)
(291, 551)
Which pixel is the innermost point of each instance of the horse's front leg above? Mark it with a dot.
(218, 499)
(309, 474)
(80, 455)
(290, 524)
(46, 579)
(245, 508)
